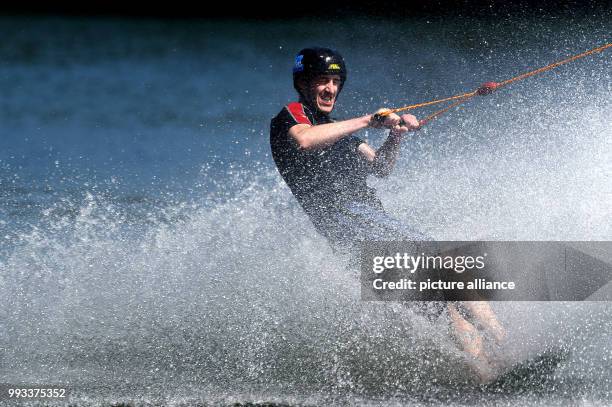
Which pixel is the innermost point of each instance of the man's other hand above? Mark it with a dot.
(382, 118)
(407, 122)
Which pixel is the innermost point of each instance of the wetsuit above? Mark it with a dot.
(330, 183)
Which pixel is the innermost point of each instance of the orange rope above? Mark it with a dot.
(432, 116)
(433, 102)
(488, 87)
(556, 64)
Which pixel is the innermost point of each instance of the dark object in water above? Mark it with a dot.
(530, 374)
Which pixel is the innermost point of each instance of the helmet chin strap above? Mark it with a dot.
(309, 101)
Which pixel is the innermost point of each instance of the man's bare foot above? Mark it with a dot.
(484, 372)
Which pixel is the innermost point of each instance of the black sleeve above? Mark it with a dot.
(284, 121)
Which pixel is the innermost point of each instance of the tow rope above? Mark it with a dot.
(485, 89)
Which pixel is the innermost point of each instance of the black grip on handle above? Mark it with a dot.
(378, 118)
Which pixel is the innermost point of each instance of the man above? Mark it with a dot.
(326, 167)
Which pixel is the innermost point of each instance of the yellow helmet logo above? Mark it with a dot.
(334, 66)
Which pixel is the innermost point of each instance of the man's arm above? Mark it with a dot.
(383, 160)
(310, 137)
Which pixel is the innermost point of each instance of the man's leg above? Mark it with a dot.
(486, 318)
(471, 341)
(371, 222)
(466, 318)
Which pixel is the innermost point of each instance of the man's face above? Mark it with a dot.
(323, 91)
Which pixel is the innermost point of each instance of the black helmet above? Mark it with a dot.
(314, 61)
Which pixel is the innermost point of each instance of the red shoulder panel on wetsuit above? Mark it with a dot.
(296, 110)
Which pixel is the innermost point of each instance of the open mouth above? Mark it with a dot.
(326, 99)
